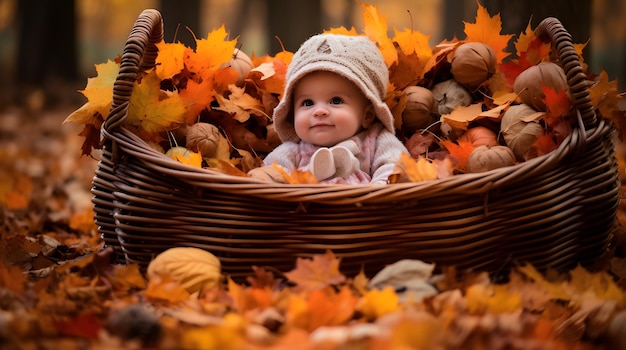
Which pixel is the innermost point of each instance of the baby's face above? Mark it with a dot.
(328, 108)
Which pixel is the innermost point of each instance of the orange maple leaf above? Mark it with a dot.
(322, 307)
(196, 97)
(249, 298)
(152, 110)
(169, 61)
(416, 170)
(164, 289)
(210, 53)
(316, 272)
(487, 29)
(296, 177)
(459, 152)
(270, 76)
(376, 29)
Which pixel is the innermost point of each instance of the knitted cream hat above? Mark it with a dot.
(355, 57)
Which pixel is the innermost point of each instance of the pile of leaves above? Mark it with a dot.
(194, 88)
(60, 290)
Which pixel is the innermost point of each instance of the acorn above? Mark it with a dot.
(472, 64)
(417, 111)
(528, 84)
(448, 95)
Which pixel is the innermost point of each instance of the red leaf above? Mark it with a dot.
(84, 326)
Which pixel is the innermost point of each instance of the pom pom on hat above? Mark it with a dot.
(354, 57)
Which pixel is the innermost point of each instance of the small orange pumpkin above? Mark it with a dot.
(241, 63)
(479, 136)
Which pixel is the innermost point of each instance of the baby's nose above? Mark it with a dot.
(320, 111)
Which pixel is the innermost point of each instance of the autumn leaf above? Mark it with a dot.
(196, 97)
(599, 283)
(249, 298)
(555, 290)
(413, 54)
(376, 29)
(210, 53)
(416, 171)
(240, 104)
(296, 176)
(272, 76)
(487, 30)
(461, 116)
(493, 299)
(606, 98)
(151, 110)
(169, 61)
(164, 289)
(16, 192)
(558, 104)
(321, 307)
(99, 93)
(342, 31)
(316, 272)
(83, 326)
(544, 144)
(459, 152)
(379, 302)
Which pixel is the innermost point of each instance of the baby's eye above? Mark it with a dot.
(307, 103)
(336, 100)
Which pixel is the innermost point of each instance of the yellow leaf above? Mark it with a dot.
(487, 30)
(99, 93)
(495, 299)
(150, 111)
(169, 61)
(411, 41)
(417, 171)
(599, 283)
(554, 290)
(379, 302)
(185, 156)
(461, 116)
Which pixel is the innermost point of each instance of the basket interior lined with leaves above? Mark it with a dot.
(511, 153)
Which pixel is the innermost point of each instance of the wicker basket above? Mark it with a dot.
(554, 211)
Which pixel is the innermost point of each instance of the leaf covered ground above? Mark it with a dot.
(59, 289)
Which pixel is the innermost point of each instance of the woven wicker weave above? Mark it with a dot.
(553, 211)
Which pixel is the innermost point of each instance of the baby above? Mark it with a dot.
(332, 119)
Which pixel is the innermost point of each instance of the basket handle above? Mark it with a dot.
(550, 30)
(139, 55)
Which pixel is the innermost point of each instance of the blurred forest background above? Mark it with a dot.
(48, 48)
